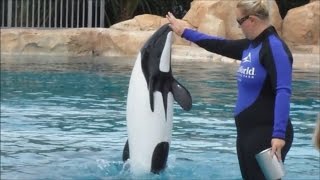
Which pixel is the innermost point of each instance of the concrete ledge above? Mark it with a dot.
(180, 53)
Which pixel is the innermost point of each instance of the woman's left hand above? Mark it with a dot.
(175, 25)
(276, 147)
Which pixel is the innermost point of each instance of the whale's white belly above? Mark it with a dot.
(146, 128)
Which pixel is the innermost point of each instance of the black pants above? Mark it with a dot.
(252, 141)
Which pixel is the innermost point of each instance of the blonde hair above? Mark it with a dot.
(254, 7)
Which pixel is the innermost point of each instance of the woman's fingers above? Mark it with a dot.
(174, 24)
(273, 150)
(276, 152)
(276, 146)
(170, 18)
(170, 15)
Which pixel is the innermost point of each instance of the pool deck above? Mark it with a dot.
(180, 53)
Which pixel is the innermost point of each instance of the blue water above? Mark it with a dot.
(65, 119)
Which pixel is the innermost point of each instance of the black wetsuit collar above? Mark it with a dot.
(263, 35)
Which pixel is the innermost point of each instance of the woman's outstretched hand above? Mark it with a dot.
(175, 25)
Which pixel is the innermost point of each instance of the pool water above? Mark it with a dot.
(65, 119)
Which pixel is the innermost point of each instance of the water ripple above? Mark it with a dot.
(67, 121)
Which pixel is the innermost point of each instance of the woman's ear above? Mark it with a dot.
(253, 19)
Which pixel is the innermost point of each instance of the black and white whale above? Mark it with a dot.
(152, 91)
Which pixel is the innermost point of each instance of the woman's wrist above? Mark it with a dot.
(182, 31)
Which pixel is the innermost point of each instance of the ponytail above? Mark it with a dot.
(258, 8)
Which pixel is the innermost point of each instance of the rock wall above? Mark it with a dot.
(301, 25)
(218, 17)
(300, 29)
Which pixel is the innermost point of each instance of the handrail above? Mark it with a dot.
(52, 13)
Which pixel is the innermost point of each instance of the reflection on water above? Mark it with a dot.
(65, 119)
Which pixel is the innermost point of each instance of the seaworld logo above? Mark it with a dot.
(246, 72)
(247, 58)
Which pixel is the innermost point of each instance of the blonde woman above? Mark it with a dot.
(264, 83)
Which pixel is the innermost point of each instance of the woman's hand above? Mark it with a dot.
(276, 147)
(175, 25)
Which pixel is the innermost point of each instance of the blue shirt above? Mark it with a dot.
(264, 77)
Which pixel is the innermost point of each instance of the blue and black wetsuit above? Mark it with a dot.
(264, 89)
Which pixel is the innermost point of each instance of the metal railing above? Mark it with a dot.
(52, 13)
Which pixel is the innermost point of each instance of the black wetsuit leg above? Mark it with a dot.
(252, 141)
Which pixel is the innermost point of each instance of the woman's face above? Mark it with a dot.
(245, 23)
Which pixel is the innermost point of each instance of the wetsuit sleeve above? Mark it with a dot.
(279, 67)
(229, 48)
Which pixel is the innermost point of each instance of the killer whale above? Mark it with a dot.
(151, 93)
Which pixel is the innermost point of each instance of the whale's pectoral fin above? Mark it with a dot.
(151, 89)
(159, 157)
(125, 153)
(181, 95)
